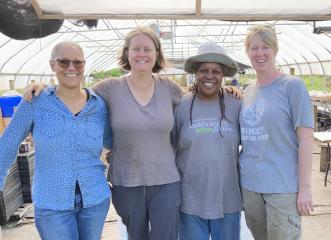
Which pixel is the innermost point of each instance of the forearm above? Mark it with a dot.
(305, 199)
(305, 152)
(14, 134)
(305, 167)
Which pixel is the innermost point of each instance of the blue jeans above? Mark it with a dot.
(77, 224)
(192, 227)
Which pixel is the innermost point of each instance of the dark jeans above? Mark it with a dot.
(149, 213)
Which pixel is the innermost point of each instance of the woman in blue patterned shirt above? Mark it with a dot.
(69, 127)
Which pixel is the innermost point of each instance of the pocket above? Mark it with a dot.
(94, 129)
(295, 222)
(50, 124)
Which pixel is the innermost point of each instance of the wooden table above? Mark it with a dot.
(325, 137)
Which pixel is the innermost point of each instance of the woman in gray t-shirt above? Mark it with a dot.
(276, 124)
(206, 136)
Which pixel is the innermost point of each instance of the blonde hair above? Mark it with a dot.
(123, 60)
(267, 34)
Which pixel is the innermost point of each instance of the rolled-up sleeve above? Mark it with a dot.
(17, 130)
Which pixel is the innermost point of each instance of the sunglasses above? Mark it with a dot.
(65, 63)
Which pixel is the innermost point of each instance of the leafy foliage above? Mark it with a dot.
(312, 82)
(97, 76)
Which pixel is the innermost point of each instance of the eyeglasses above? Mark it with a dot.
(65, 63)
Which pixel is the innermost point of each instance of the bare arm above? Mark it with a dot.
(305, 151)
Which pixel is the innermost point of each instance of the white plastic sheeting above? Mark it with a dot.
(185, 9)
(300, 48)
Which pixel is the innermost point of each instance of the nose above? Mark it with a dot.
(71, 66)
(209, 74)
(260, 51)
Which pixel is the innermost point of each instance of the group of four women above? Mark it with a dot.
(174, 165)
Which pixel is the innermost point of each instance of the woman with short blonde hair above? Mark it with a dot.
(276, 124)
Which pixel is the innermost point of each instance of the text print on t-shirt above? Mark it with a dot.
(201, 126)
(252, 116)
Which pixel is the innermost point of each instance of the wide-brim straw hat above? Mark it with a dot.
(211, 53)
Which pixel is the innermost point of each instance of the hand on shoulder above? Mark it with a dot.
(33, 90)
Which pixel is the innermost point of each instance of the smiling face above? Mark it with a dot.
(209, 79)
(261, 55)
(142, 54)
(71, 76)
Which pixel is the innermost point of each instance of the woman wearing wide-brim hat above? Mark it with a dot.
(207, 138)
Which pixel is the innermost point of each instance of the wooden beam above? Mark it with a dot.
(37, 8)
(197, 7)
(221, 17)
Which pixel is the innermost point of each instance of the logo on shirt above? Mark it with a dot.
(210, 126)
(252, 114)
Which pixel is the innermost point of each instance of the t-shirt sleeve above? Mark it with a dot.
(176, 129)
(102, 89)
(176, 91)
(300, 104)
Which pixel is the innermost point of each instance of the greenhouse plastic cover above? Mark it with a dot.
(299, 47)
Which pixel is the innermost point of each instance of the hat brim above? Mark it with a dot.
(231, 67)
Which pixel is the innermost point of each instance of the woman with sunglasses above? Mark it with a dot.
(70, 127)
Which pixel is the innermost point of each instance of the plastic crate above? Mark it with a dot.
(7, 105)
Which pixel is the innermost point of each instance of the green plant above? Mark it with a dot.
(312, 82)
(99, 75)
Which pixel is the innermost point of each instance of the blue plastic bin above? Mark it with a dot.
(7, 105)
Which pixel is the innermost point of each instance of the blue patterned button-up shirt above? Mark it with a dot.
(67, 149)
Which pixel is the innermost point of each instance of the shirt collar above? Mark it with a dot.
(51, 91)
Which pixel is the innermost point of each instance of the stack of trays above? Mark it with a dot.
(25, 163)
(11, 198)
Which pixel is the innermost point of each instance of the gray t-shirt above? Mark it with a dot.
(269, 160)
(208, 163)
(142, 151)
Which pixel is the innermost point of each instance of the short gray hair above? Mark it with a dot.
(60, 45)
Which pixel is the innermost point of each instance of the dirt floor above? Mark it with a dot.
(317, 226)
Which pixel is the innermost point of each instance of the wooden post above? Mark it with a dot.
(315, 117)
(324, 158)
(11, 84)
(2, 124)
(292, 71)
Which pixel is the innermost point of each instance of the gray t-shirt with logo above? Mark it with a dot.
(208, 163)
(269, 159)
(142, 151)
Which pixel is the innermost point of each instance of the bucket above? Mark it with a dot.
(7, 105)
